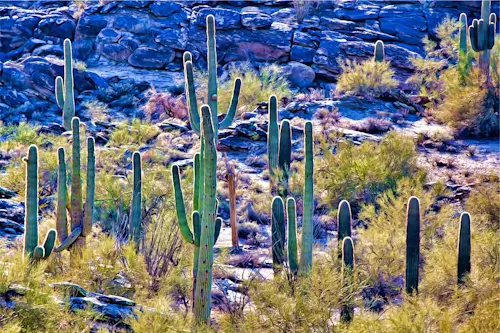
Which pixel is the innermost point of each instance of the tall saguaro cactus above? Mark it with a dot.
(307, 219)
(344, 221)
(379, 53)
(284, 157)
(31, 247)
(272, 136)
(65, 94)
(135, 207)
(347, 310)
(278, 232)
(213, 97)
(81, 219)
(482, 37)
(463, 51)
(412, 244)
(464, 245)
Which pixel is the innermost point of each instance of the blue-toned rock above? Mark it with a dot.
(150, 58)
(174, 38)
(302, 54)
(82, 49)
(224, 18)
(254, 18)
(164, 8)
(116, 52)
(57, 26)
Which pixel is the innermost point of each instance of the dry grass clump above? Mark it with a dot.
(160, 106)
(368, 78)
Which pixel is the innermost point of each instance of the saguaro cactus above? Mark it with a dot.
(307, 219)
(344, 221)
(464, 245)
(284, 157)
(347, 310)
(463, 52)
(135, 207)
(272, 136)
(291, 212)
(482, 36)
(212, 98)
(278, 232)
(65, 95)
(203, 291)
(231, 184)
(81, 219)
(412, 244)
(31, 247)
(379, 53)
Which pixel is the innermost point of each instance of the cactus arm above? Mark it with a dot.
(491, 36)
(292, 235)
(473, 32)
(231, 111)
(38, 253)
(31, 203)
(180, 208)
(218, 226)
(69, 93)
(464, 246)
(344, 218)
(203, 291)
(272, 135)
(194, 115)
(49, 242)
(59, 92)
(135, 207)
(89, 198)
(347, 310)
(412, 244)
(76, 184)
(284, 156)
(308, 211)
(379, 53)
(213, 96)
(68, 241)
(62, 197)
(278, 232)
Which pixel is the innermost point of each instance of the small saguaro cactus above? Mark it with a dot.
(81, 219)
(272, 136)
(192, 237)
(347, 310)
(136, 204)
(231, 185)
(308, 211)
(278, 232)
(31, 247)
(344, 221)
(212, 98)
(291, 212)
(482, 36)
(379, 53)
(284, 157)
(65, 94)
(464, 245)
(412, 244)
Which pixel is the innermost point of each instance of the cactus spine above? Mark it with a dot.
(412, 244)
(81, 220)
(464, 245)
(307, 218)
(278, 232)
(482, 37)
(379, 53)
(31, 247)
(347, 310)
(212, 97)
(135, 207)
(65, 94)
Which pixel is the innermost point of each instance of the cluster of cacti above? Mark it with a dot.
(379, 53)
(482, 36)
(81, 219)
(31, 247)
(65, 94)
(278, 218)
(135, 219)
(279, 149)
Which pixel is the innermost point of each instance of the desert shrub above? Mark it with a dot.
(164, 105)
(360, 173)
(256, 86)
(368, 78)
(302, 8)
(372, 125)
(97, 110)
(134, 134)
(484, 205)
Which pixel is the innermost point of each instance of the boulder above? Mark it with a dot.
(174, 38)
(151, 58)
(299, 75)
(361, 12)
(82, 49)
(224, 18)
(254, 18)
(164, 8)
(116, 52)
(57, 26)
(302, 54)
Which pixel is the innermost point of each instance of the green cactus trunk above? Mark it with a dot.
(347, 309)
(344, 221)
(76, 210)
(65, 95)
(135, 207)
(272, 140)
(203, 293)
(412, 245)
(90, 191)
(464, 245)
(307, 219)
(284, 157)
(379, 53)
(278, 233)
(463, 52)
(31, 248)
(293, 260)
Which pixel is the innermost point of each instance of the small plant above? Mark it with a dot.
(302, 8)
(369, 78)
(163, 105)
